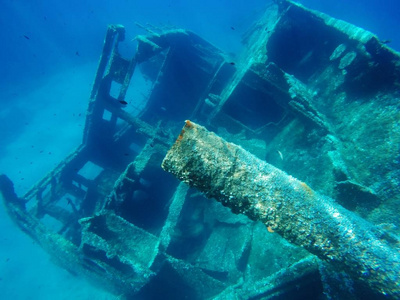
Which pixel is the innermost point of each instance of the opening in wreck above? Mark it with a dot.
(253, 108)
(300, 44)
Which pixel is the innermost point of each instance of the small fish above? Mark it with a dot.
(123, 102)
(280, 154)
(27, 37)
(77, 53)
(232, 63)
(233, 28)
(386, 42)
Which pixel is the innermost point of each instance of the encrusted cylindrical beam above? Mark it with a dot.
(289, 207)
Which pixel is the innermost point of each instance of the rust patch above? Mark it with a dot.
(188, 124)
(307, 189)
(180, 136)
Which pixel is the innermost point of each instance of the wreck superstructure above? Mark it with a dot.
(247, 185)
(312, 95)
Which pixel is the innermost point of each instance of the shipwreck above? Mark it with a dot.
(310, 96)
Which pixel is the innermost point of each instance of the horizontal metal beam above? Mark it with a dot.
(288, 206)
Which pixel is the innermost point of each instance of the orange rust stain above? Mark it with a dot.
(180, 137)
(269, 228)
(189, 124)
(308, 190)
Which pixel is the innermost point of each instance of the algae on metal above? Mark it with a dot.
(250, 186)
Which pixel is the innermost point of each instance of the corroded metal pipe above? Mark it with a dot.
(289, 207)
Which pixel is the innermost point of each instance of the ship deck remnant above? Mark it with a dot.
(287, 206)
(314, 96)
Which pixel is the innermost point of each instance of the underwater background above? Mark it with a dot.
(49, 56)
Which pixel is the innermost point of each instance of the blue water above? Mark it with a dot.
(49, 52)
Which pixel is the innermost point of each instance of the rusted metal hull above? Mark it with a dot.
(287, 206)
